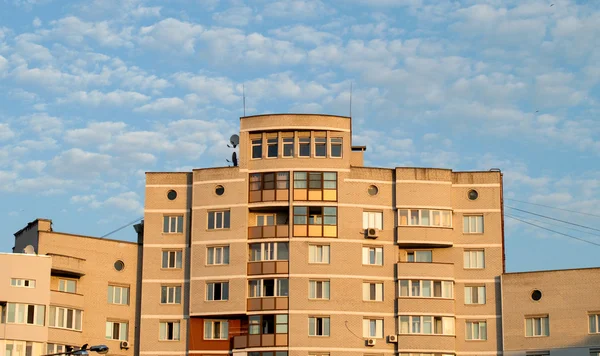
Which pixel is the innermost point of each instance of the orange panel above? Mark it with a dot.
(300, 230)
(268, 195)
(315, 195)
(283, 195)
(330, 231)
(300, 194)
(255, 196)
(330, 195)
(315, 230)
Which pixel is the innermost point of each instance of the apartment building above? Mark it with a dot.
(551, 312)
(301, 250)
(62, 290)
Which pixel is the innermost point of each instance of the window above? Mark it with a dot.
(318, 289)
(425, 288)
(436, 325)
(24, 283)
(216, 330)
(474, 259)
(217, 291)
(304, 144)
(336, 146)
(373, 328)
(170, 295)
(373, 292)
(64, 318)
(594, 323)
(315, 180)
(171, 195)
(119, 265)
(260, 182)
(269, 251)
(473, 224)
(318, 254)
(25, 314)
(320, 146)
(372, 256)
(537, 326)
(272, 146)
(118, 295)
(218, 219)
(171, 258)
(257, 148)
(288, 146)
(315, 215)
(258, 288)
(425, 217)
(169, 331)
(267, 324)
(67, 285)
(475, 295)
(54, 348)
(419, 256)
(21, 348)
(372, 219)
(476, 330)
(318, 326)
(217, 255)
(173, 224)
(116, 330)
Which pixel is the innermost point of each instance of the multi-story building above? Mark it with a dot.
(59, 290)
(301, 250)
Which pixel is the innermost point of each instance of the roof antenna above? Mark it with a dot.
(244, 98)
(350, 99)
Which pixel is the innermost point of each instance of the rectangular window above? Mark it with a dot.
(373, 292)
(169, 331)
(268, 251)
(171, 258)
(64, 318)
(425, 217)
(315, 215)
(173, 224)
(256, 148)
(425, 288)
(218, 220)
(417, 324)
(474, 259)
(336, 146)
(217, 291)
(373, 328)
(269, 181)
(216, 330)
(475, 295)
(373, 219)
(170, 295)
(473, 224)
(116, 330)
(476, 330)
(320, 146)
(118, 295)
(24, 314)
(419, 256)
(318, 254)
(594, 320)
(304, 144)
(318, 326)
(372, 256)
(217, 255)
(537, 326)
(272, 146)
(67, 285)
(300, 180)
(288, 147)
(258, 288)
(54, 348)
(318, 289)
(23, 283)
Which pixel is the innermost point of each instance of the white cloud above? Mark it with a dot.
(74, 31)
(170, 34)
(37, 22)
(237, 16)
(164, 105)
(5, 132)
(216, 88)
(128, 201)
(43, 124)
(297, 9)
(96, 133)
(114, 98)
(304, 34)
(53, 79)
(76, 162)
(145, 11)
(3, 65)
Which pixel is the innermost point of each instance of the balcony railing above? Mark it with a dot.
(268, 267)
(267, 303)
(67, 265)
(264, 340)
(268, 231)
(433, 270)
(424, 236)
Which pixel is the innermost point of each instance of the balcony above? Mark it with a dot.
(67, 265)
(424, 236)
(268, 267)
(268, 231)
(63, 298)
(426, 342)
(267, 303)
(424, 270)
(264, 340)
(432, 305)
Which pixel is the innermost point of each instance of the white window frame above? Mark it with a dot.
(269, 142)
(174, 259)
(22, 283)
(269, 251)
(417, 255)
(469, 221)
(118, 295)
(177, 219)
(316, 251)
(224, 285)
(285, 141)
(123, 330)
(369, 287)
(163, 330)
(373, 219)
(428, 213)
(594, 323)
(63, 285)
(373, 328)
(259, 287)
(210, 328)
(55, 348)
(321, 140)
(219, 254)
(474, 259)
(216, 213)
(377, 254)
(447, 288)
(544, 321)
(480, 295)
(170, 294)
(336, 141)
(478, 330)
(55, 323)
(410, 321)
(313, 288)
(324, 321)
(39, 314)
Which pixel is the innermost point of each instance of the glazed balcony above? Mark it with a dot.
(268, 267)
(424, 236)
(269, 187)
(268, 231)
(421, 341)
(425, 270)
(267, 303)
(264, 340)
(432, 305)
(67, 265)
(63, 298)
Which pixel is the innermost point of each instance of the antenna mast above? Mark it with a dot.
(244, 98)
(350, 99)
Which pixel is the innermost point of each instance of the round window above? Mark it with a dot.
(172, 195)
(119, 265)
(373, 190)
(473, 194)
(219, 190)
(536, 295)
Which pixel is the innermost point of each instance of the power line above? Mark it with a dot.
(555, 219)
(558, 225)
(552, 207)
(122, 227)
(554, 231)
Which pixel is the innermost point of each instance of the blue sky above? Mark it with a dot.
(95, 93)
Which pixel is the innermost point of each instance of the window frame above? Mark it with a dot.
(320, 141)
(265, 248)
(123, 336)
(379, 327)
(225, 219)
(339, 142)
(432, 319)
(168, 292)
(367, 257)
(481, 294)
(224, 255)
(223, 329)
(23, 309)
(111, 299)
(75, 312)
(544, 325)
(409, 288)
(325, 289)
(256, 142)
(224, 286)
(269, 142)
(303, 137)
(325, 326)
(482, 336)
(315, 248)
(596, 316)
(467, 226)
(415, 253)
(372, 217)
(22, 283)
(176, 330)
(65, 283)
(177, 259)
(477, 259)
(285, 142)
(260, 288)
(168, 223)
(430, 218)
(378, 288)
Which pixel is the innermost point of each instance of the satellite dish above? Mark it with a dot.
(29, 250)
(235, 140)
